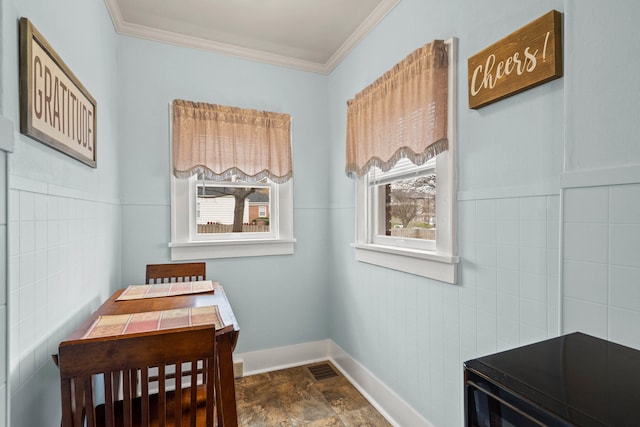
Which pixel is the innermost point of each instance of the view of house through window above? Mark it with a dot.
(232, 207)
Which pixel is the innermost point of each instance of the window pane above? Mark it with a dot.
(410, 208)
(232, 209)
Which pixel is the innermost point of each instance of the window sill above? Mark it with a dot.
(422, 263)
(181, 251)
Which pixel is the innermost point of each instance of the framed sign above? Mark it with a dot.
(526, 58)
(55, 108)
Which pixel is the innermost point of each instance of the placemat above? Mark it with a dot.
(120, 324)
(165, 289)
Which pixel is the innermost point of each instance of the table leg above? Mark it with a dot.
(226, 389)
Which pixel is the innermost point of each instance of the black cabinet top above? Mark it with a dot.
(581, 379)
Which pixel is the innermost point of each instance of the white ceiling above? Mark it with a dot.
(312, 35)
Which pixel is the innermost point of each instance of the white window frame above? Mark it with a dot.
(184, 244)
(441, 263)
(184, 247)
(377, 207)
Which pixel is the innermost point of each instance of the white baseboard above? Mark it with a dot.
(273, 359)
(385, 400)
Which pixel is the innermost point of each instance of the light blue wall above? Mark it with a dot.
(3, 291)
(602, 88)
(412, 332)
(547, 191)
(87, 46)
(601, 228)
(278, 300)
(548, 207)
(64, 217)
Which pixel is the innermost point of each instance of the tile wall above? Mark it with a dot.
(63, 259)
(601, 276)
(509, 251)
(3, 289)
(414, 333)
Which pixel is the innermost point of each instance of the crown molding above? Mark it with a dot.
(360, 33)
(114, 13)
(140, 31)
(177, 39)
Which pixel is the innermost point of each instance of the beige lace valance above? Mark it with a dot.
(401, 114)
(216, 142)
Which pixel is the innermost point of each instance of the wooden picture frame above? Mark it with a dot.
(55, 108)
(524, 59)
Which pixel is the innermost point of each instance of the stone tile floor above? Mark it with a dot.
(293, 397)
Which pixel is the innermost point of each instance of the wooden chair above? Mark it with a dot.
(167, 273)
(120, 360)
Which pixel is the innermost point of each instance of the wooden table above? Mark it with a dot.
(225, 341)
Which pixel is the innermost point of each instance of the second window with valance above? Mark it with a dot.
(231, 181)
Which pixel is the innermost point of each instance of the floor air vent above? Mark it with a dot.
(322, 371)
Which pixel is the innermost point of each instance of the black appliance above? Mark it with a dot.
(572, 380)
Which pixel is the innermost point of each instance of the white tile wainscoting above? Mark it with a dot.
(601, 283)
(57, 275)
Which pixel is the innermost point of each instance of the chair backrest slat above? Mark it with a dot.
(108, 398)
(178, 394)
(194, 379)
(145, 396)
(162, 396)
(181, 272)
(211, 373)
(127, 397)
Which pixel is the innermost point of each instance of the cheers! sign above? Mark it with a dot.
(526, 58)
(55, 108)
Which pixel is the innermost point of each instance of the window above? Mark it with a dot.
(223, 209)
(241, 206)
(431, 256)
(405, 207)
(192, 238)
